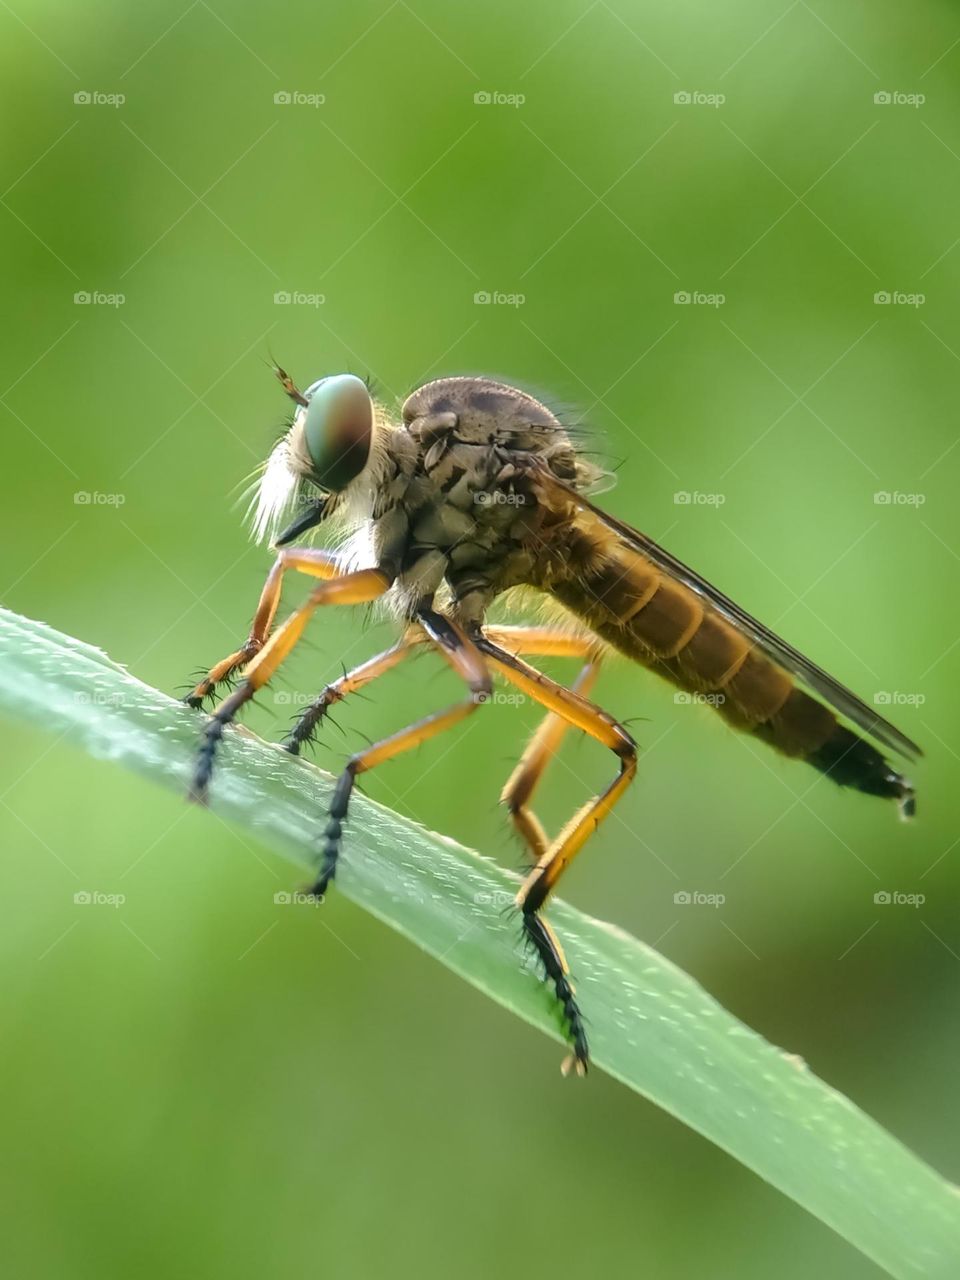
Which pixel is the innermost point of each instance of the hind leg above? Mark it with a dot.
(577, 712)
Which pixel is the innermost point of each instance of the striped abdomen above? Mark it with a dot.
(641, 610)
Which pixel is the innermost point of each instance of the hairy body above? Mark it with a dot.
(476, 491)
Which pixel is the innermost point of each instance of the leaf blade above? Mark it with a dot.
(652, 1026)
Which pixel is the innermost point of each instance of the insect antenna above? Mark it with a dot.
(286, 382)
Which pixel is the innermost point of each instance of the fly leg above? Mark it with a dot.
(545, 742)
(464, 657)
(315, 563)
(536, 889)
(350, 682)
(349, 588)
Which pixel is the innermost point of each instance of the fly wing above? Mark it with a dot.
(808, 673)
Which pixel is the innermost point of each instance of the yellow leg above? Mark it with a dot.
(543, 746)
(314, 562)
(350, 682)
(466, 660)
(576, 711)
(350, 588)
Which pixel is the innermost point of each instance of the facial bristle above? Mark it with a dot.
(276, 493)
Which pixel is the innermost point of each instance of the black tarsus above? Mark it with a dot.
(438, 628)
(211, 739)
(538, 937)
(304, 730)
(333, 831)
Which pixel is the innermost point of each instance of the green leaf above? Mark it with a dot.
(651, 1025)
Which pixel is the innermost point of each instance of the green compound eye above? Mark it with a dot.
(337, 429)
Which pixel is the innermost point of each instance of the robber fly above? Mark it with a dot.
(476, 490)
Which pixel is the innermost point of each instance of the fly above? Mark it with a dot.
(478, 489)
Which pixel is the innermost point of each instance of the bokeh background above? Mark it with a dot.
(201, 1082)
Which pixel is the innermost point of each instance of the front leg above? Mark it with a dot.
(361, 587)
(316, 563)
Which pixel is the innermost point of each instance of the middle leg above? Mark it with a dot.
(466, 660)
(350, 682)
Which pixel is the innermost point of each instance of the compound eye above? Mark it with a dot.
(337, 429)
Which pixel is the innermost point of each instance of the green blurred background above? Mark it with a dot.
(203, 1083)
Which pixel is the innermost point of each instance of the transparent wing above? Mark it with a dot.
(808, 673)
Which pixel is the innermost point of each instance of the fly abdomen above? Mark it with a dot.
(845, 757)
(656, 620)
